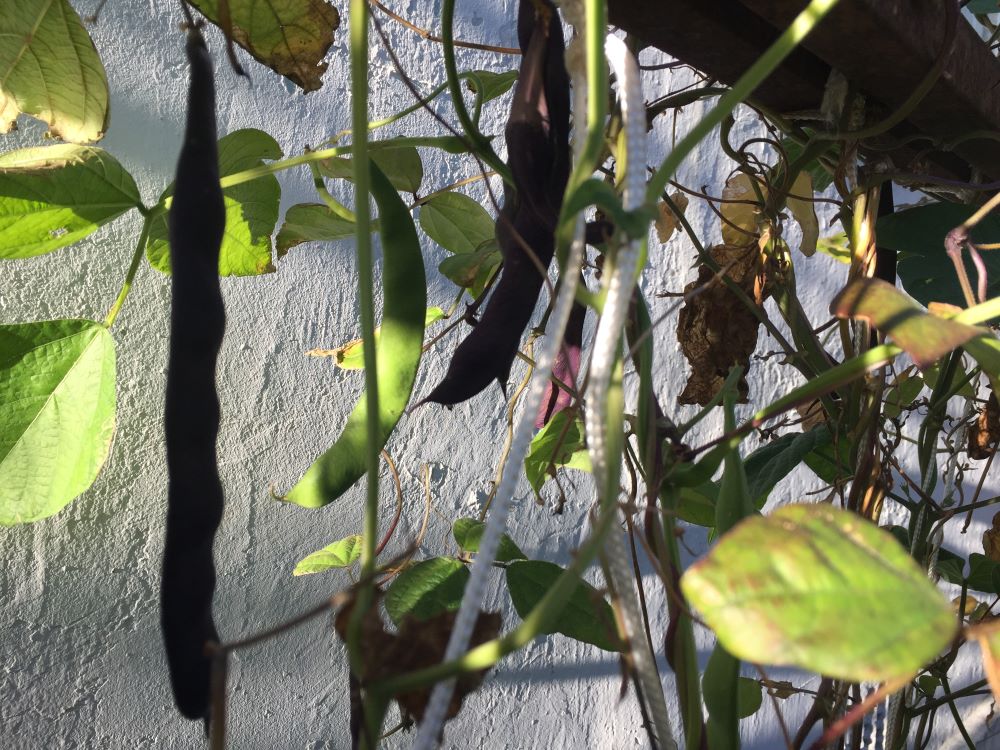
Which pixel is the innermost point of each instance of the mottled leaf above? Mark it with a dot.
(291, 37)
(819, 588)
(925, 337)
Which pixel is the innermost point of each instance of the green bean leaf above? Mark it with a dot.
(340, 554)
(291, 37)
(586, 616)
(53, 196)
(427, 589)
(773, 461)
(57, 414)
(823, 589)
(490, 85)
(927, 273)
(398, 354)
(558, 443)
(311, 222)
(251, 209)
(401, 165)
(50, 69)
(473, 270)
(456, 222)
(749, 697)
(468, 532)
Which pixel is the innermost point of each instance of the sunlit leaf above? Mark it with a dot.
(251, 209)
(426, 589)
(57, 414)
(49, 69)
(340, 554)
(493, 85)
(925, 337)
(740, 210)
(559, 443)
(291, 37)
(822, 589)
(586, 616)
(53, 196)
(988, 636)
(804, 212)
(836, 246)
(472, 270)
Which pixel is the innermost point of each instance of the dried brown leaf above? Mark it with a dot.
(666, 222)
(985, 435)
(715, 329)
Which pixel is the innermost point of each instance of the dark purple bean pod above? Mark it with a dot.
(196, 222)
(537, 136)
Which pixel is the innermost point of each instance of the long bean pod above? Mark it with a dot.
(197, 221)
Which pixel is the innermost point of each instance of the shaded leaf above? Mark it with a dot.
(456, 222)
(928, 275)
(291, 37)
(57, 414)
(351, 356)
(401, 165)
(821, 179)
(340, 554)
(984, 574)
(697, 504)
(822, 589)
(426, 589)
(586, 616)
(836, 246)
(251, 209)
(50, 69)
(559, 443)
(472, 270)
(772, 462)
(468, 533)
(985, 433)
(311, 222)
(902, 393)
(53, 196)
(749, 697)
(493, 85)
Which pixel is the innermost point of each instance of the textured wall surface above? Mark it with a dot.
(81, 664)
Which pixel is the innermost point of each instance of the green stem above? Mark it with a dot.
(366, 299)
(140, 249)
(804, 23)
(480, 143)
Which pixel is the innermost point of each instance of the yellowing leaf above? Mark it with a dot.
(988, 635)
(666, 221)
(739, 210)
(50, 69)
(291, 37)
(823, 589)
(804, 213)
(351, 356)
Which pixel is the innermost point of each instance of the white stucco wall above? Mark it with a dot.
(81, 664)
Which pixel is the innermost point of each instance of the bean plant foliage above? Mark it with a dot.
(851, 583)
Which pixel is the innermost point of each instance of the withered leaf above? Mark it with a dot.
(984, 437)
(291, 37)
(740, 210)
(417, 645)
(715, 329)
(666, 221)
